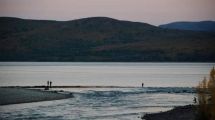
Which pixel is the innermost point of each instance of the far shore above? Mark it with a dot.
(17, 95)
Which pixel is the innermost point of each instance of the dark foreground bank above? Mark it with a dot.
(21, 95)
(179, 113)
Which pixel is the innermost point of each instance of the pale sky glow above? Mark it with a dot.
(150, 11)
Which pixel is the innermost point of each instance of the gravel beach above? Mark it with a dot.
(21, 95)
(179, 113)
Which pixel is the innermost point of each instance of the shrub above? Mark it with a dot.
(206, 98)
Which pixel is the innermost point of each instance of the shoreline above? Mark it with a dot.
(22, 95)
(187, 112)
(70, 86)
(91, 86)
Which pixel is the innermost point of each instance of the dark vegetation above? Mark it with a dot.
(100, 39)
(206, 98)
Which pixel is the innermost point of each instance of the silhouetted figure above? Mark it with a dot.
(47, 87)
(142, 84)
(194, 100)
(50, 84)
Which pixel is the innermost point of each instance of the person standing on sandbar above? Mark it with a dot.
(142, 84)
(47, 83)
(50, 84)
(47, 87)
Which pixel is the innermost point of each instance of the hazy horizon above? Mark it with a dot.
(153, 12)
(106, 17)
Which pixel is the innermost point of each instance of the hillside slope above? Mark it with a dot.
(100, 39)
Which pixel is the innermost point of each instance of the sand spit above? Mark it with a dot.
(22, 95)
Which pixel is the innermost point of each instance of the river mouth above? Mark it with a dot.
(103, 103)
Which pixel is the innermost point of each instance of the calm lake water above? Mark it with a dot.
(116, 74)
(166, 85)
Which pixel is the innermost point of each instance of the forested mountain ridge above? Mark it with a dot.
(100, 39)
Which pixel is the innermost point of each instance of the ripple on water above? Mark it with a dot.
(120, 104)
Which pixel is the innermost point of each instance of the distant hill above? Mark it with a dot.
(100, 39)
(194, 26)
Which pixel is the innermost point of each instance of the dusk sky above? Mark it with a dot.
(150, 11)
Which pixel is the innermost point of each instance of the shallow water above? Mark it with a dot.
(166, 85)
(107, 104)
